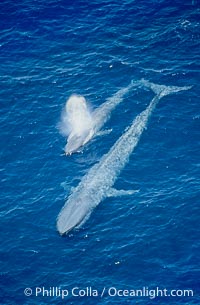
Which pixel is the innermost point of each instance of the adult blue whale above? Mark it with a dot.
(97, 184)
(98, 118)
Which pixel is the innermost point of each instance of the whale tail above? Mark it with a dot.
(162, 90)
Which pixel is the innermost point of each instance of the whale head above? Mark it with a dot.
(73, 214)
(76, 141)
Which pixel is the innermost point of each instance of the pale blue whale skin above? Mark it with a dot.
(97, 184)
(76, 141)
(99, 117)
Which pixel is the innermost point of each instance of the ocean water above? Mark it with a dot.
(50, 50)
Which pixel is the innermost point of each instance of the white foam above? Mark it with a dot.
(76, 117)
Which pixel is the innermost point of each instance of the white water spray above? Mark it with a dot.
(76, 122)
(76, 116)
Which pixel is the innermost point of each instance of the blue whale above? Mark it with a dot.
(98, 183)
(98, 118)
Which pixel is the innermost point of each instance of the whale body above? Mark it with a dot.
(98, 183)
(84, 125)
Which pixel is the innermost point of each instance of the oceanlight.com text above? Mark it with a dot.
(106, 291)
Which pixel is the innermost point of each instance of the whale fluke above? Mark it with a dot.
(163, 90)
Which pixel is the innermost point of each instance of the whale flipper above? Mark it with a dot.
(104, 132)
(116, 193)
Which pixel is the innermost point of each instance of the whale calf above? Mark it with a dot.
(83, 124)
(98, 183)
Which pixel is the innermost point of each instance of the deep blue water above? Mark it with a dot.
(49, 50)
